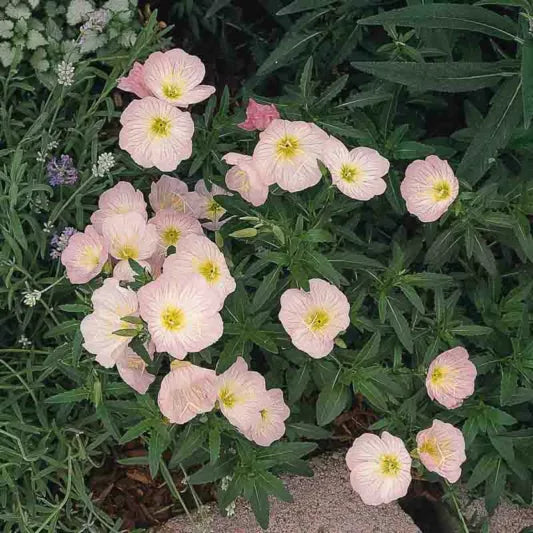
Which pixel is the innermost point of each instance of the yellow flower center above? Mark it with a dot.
(350, 173)
(176, 363)
(90, 257)
(226, 397)
(244, 185)
(170, 235)
(264, 415)
(389, 465)
(172, 90)
(172, 318)
(441, 190)
(317, 320)
(214, 210)
(210, 271)
(438, 375)
(429, 446)
(288, 147)
(128, 252)
(160, 127)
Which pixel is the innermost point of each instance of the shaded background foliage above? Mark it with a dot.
(371, 79)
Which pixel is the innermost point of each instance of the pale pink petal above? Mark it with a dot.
(258, 116)
(124, 272)
(132, 370)
(134, 82)
(246, 178)
(169, 193)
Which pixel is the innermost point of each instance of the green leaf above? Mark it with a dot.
(365, 98)
(483, 253)
(212, 472)
(297, 380)
(471, 330)
(400, 325)
(412, 150)
(136, 431)
(413, 297)
(522, 231)
(369, 351)
(445, 77)
(330, 403)
(283, 452)
(75, 308)
(321, 264)
(305, 79)
(265, 290)
(483, 469)
(216, 6)
(527, 80)
(508, 386)
(70, 396)
(258, 499)
(448, 16)
(303, 5)
(332, 90)
(159, 440)
(214, 444)
(309, 431)
(495, 485)
(370, 392)
(494, 132)
(189, 442)
(273, 485)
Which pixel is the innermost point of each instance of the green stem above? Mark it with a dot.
(457, 508)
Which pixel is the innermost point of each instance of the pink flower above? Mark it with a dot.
(270, 426)
(175, 77)
(182, 314)
(380, 468)
(287, 153)
(156, 134)
(258, 116)
(246, 178)
(170, 193)
(313, 319)
(356, 173)
(130, 237)
(134, 82)
(172, 227)
(188, 390)
(205, 206)
(123, 271)
(111, 303)
(442, 450)
(240, 395)
(450, 378)
(84, 256)
(132, 370)
(120, 199)
(429, 188)
(197, 255)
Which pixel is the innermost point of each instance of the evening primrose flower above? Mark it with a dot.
(132, 370)
(156, 134)
(451, 377)
(313, 319)
(258, 116)
(441, 449)
(111, 303)
(188, 390)
(246, 178)
(172, 227)
(175, 77)
(380, 468)
(270, 425)
(288, 153)
(429, 188)
(205, 206)
(134, 82)
(128, 236)
(182, 314)
(84, 255)
(357, 173)
(240, 395)
(170, 193)
(120, 199)
(199, 255)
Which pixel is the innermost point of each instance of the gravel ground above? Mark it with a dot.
(508, 518)
(324, 503)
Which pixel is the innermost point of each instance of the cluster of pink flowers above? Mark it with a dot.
(380, 467)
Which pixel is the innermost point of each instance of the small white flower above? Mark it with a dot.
(41, 157)
(24, 341)
(52, 145)
(31, 297)
(230, 509)
(105, 163)
(224, 482)
(65, 73)
(48, 227)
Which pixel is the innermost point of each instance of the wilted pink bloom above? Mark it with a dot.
(172, 227)
(441, 449)
(182, 314)
(246, 178)
(188, 390)
(111, 303)
(123, 271)
(134, 82)
(130, 237)
(170, 193)
(132, 370)
(84, 256)
(429, 188)
(313, 319)
(175, 77)
(270, 426)
(121, 199)
(198, 255)
(156, 134)
(258, 116)
(380, 468)
(450, 378)
(287, 153)
(205, 206)
(240, 395)
(356, 173)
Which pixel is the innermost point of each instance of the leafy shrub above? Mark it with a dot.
(415, 289)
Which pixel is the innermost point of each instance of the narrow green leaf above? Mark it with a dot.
(297, 380)
(189, 441)
(483, 469)
(265, 290)
(365, 98)
(411, 294)
(70, 396)
(136, 431)
(483, 253)
(527, 80)
(400, 325)
(305, 79)
(471, 330)
(297, 6)
(330, 403)
(258, 499)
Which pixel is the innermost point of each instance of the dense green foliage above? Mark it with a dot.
(454, 80)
